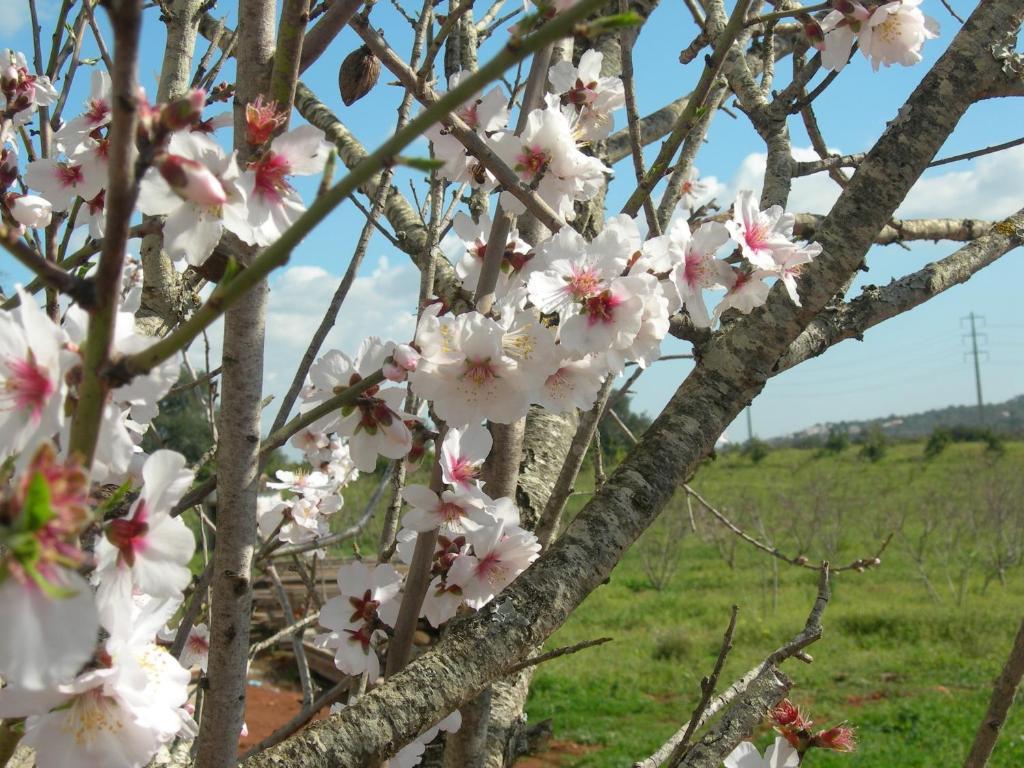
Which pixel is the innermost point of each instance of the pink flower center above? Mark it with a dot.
(198, 645)
(128, 535)
(469, 115)
(97, 203)
(270, 173)
(479, 372)
(97, 112)
(28, 385)
(490, 567)
(694, 270)
(581, 93)
(361, 636)
(450, 512)
(756, 235)
(69, 175)
(601, 308)
(531, 161)
(463, 471)
(364, 608)
(583, 283)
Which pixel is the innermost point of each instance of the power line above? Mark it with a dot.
(972, 318)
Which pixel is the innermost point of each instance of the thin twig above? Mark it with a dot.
(800, 561)
(563, 651)
(707, 690)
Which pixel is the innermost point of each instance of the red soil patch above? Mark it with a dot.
(557, 754)
(267, 708)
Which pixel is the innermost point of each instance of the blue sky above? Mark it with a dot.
(911, 363)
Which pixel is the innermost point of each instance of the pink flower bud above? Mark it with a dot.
(815, 35)
(8, 168)
(852, 9)
(184, 111)
(191, 180)
(393, 372)
(30, 210)
(406, 357)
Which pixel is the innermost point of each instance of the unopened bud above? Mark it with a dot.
(191, 180)
(184, 111)
(802, 560)
(8, 168)
(30, 210)
(406, 357)
(394, 372)
(851, 9)
(814, 34)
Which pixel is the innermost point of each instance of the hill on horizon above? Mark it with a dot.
(1006, 418)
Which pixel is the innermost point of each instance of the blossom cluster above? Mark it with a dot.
(886, 33)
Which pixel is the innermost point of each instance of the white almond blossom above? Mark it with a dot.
(201, 191)
(781, 754)
(33, 361)
(30, 210)
(545, 155)
(574, 385)
(594, 97)
(375, 422)
(61, 181)
(466, 372)
(895, 34)
(96, 115)
(759, 233)
(148, 549)
(500, 553)
(454, 512)
(691, 259)
(462, 455)
(275, 204)
(367, 598)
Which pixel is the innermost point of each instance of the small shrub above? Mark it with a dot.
(874, 446)
(938, 441)
(837, 442)
(671, 646)
(756, 450)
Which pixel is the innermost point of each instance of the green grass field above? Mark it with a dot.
(907, 663)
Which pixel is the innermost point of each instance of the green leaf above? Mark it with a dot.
(37, 510)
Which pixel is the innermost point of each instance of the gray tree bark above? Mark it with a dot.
(239, 448)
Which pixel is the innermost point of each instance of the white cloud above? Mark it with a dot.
(810, 194)
(986, 188)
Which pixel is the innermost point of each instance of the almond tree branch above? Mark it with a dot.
(469, 138)
(238, 448)
(122, 190)
(48, 274)
(850, 320)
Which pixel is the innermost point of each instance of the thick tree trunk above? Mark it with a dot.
(238, 451)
